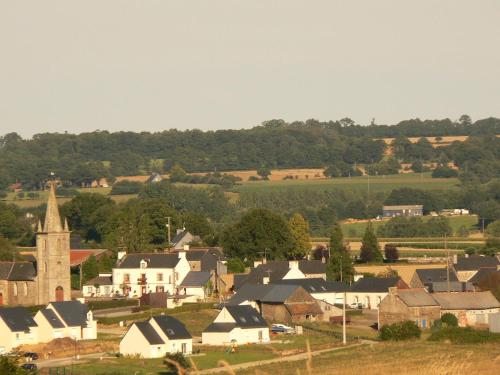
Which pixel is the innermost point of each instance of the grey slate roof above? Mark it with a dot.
(17, 271)
(416, 297)
(483, 273)
(374, 284)
(179, 236)
(172, 327)
(239, 280)
(220, 327)
(196, 278)
(149, 333)
(246, 316)
(475, 262)
(316, 285)
(279, 293)
(271, 293)
(100, 280)
(429, 275)
(52, 318)
(274, 270)
(17, 318)
(73, 313)
(466, 301)
(455, 286)
(154, 260)
(312, 266)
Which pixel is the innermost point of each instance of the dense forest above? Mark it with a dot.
(80, 159)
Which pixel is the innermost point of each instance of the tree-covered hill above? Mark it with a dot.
(79, 159)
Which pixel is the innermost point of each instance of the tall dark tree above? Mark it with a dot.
(391, 253)
(260, 232)
(370, 249)
(340, 265)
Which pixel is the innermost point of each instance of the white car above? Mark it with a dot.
(281, 328)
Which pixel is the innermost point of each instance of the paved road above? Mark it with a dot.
(67, 361)
(291, 358)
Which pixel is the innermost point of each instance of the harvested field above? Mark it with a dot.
(280, 174)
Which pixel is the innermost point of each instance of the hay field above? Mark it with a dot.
(279, 174)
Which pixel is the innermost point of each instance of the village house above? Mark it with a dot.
(17, 327)
(467, 266)
(70, 319)
(279, 303)
(368, 292)
(197, 284)
(141, 273)
(183, 238)
(425, 276)
(416, 305)
(404, 210)
(156, 337)
(331, 292)
(100, 286)
(471, 309)
(241, 324)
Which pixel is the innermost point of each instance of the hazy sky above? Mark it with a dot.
(152, 65)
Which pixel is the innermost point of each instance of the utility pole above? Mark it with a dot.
(344, 333)
(168, 229)
(447, 261)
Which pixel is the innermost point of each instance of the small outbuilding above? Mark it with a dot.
(241, 324)
(156, 337)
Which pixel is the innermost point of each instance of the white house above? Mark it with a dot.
(70, 319)
(100, 286)
(331, 292)
(368, 292)
(17, 327)
(242, 323)
(156, 337)
(141, 273)
(196, 283)
(183, 238)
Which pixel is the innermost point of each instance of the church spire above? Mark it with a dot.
(52, 218)
(66, 226)
(39, 226)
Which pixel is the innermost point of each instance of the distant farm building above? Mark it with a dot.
(409, 210)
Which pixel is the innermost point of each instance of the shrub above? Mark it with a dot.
(449, 320)
(464, 335)
(444, 172)
(400, 331)
(179, 360)
(126, 187)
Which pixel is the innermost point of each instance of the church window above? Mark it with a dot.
(15, 289)
(159, 277)
(25, 288)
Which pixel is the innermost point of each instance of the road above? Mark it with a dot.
(291, 358)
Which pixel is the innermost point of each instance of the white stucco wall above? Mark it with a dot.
(374, 299)
(134, 343)
(10, 340)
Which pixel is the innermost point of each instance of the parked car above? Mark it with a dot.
(356, 305)
(29, 367)
(30, 356)
(281, 328)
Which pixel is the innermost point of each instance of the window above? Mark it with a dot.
(255, 319)
(126, 278)
(25, 288)
(143, 264)
(242, 318)
(159, 277)
(170, 331)
(313, 288)
(14, 287)
(176, 276)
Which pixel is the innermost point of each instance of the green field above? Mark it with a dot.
(371, 183)
(357, 230)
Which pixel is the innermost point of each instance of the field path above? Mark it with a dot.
(290, 358)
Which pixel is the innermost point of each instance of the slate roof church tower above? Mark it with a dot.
(53, 255)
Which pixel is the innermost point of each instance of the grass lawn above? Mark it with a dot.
(412, 357)
(375, 183)
(357, 230)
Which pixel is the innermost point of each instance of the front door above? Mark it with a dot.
(184, 348)
(143, 290)
(59, 294)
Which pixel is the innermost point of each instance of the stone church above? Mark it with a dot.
(48, 278)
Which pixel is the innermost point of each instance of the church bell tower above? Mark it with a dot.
(53, 255)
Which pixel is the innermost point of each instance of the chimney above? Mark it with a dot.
(293, 264)
(265, 280)
(186, 247)
(323, 259)
(455, 259)
(121, 254)
(179, 231)
(466, 255)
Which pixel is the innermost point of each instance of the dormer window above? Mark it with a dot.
(143, 264)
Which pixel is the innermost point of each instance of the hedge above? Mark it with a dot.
(464, 335)
(400, 331)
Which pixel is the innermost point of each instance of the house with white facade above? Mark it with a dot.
(331, 292)
(197, 284)
(156, 337)
(70, 319)
(100, 286)
(17, 327)
(368, 292)
(240, 324)
(141, 273)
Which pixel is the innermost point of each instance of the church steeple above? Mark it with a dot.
(52, 218)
